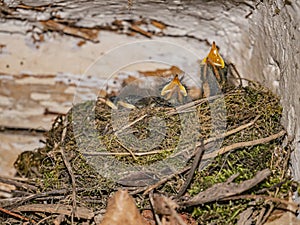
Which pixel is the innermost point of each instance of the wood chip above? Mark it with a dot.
(85, 33)
(158, 24)
(140, 31)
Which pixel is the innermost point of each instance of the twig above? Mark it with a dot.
(130, 124)
(233, 131)
(81, 212)
(266, 215)
(243, 144)
(228, 133)
(16, 215)
(153, 208)
(192, 104)
(126, 153)
(164, 180)
(70, 171)
(44, 219)
(199, 154)
(19, 201)
(293, 206)
(131, 153)
(17, 183)
(231, 65)
(222, 190)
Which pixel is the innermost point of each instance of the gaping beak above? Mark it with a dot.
(174, 85)
(214, 57)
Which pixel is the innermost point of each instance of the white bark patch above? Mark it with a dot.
(39, 96)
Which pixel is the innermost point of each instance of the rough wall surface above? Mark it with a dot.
(274, 34)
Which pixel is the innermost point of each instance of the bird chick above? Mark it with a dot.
(214, 57)
(174, 87)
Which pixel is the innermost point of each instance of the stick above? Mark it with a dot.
(228, 133)
(192, 104)
(231, 65)
(234, 146)
(130, 124)
(222, 190)
(199, 154)
(16, 215)
(70, 171)
(294, 207)
(131, 153)
(20, 200)
(153, 209)
(81, 212)
(125, 153)
(164, 180)
(17, 183)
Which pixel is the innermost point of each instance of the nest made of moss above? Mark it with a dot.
(252, 113)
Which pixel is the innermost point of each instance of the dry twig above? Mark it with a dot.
(234, 146)
(69, 168)
(164, 180)
(16, 182)
(222, 190)
(16, 215)
(199, 154)
(81, 212)
(293, 207)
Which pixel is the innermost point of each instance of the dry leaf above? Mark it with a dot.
(121, 210)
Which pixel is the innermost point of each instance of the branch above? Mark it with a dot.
(222, 190)
(234, 146)
(81, 212)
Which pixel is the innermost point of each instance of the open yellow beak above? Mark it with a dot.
(175, 83)
(214, 57)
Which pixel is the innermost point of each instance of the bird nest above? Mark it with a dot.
(221, 158)
(246, 158)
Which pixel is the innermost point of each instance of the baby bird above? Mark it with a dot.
(174, 87)
(214, 57)
(214, 61)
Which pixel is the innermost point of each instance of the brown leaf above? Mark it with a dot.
(148, 216)
(162, 204)
(121, 210)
